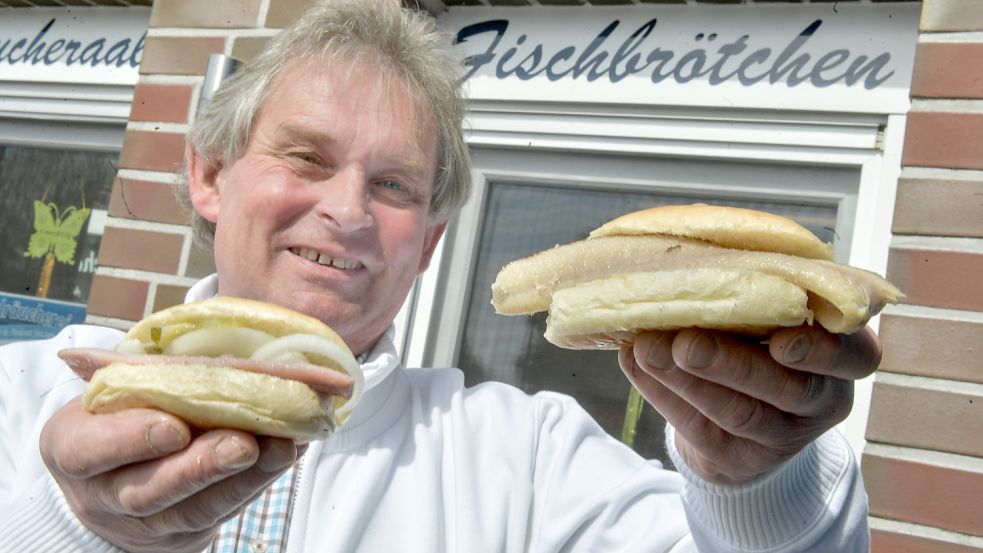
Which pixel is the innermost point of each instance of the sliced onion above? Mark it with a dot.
(131, 345)
(236, 341)
(290, 357)
(310, 343)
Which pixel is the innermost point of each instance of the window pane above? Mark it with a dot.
(521, 220)
(44, 193)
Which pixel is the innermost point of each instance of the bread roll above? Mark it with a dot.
(700, 266)
(213, 397)
(228, 363)
(730, 227)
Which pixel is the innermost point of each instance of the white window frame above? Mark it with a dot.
(63, 115)
(430, 324)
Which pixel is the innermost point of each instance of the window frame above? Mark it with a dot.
(429, 327)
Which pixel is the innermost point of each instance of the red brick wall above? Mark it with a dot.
(923, 465)
(146, 259)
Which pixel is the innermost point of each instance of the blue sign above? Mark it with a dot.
(30, 318)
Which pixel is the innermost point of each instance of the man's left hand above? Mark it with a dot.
(741, 408)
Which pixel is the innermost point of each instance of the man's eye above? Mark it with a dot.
(395, 186)
(308, 158)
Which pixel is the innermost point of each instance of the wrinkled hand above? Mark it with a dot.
(741, 408)
(138, 478)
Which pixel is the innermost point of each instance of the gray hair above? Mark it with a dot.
(403, 43)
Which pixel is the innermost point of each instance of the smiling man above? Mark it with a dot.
(328, 209)
(324, 173)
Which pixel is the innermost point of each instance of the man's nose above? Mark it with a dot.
(345, 200)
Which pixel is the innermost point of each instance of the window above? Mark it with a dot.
(549, 174)
(52, 204)
(520, 220)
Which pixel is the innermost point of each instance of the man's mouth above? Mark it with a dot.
(324, 259)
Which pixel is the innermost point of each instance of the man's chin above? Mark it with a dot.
(320, 305)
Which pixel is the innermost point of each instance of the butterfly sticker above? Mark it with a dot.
(56, 232)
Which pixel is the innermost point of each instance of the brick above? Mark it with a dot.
(157, 252)
(168, 295)
(284, 12)
(168, 103)
(179, 55)
(926, 419)
(245, 48)
(938, 278)
(147, 201)
(117, 297)
(925, 494)
(890, 542)
(152, 151)
(939, 348)
(951, 140)
(221, 14)
(951, 15)
(948, 70)
(939, 207)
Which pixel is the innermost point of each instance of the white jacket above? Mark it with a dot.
(426, 465)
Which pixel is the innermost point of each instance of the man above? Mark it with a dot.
(325, 172)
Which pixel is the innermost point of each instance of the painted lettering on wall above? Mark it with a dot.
(45, 50)
(714, 58)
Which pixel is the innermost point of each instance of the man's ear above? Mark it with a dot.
(430, 241)
(203, 184)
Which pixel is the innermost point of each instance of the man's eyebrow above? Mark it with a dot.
(292, 134)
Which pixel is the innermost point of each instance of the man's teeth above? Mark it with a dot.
(323, 259)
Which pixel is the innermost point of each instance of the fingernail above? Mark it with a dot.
(164, 438)
(230, 454)
(659, 354)
(702, 351)
(798, 349)
(278, 456)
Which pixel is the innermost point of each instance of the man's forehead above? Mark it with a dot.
(294, 113)
(335, 79)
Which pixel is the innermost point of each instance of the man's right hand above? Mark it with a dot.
(138, 479)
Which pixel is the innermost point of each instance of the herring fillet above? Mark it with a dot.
(526, 286)
(843, 298)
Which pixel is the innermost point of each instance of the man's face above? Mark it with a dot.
(326, 212)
